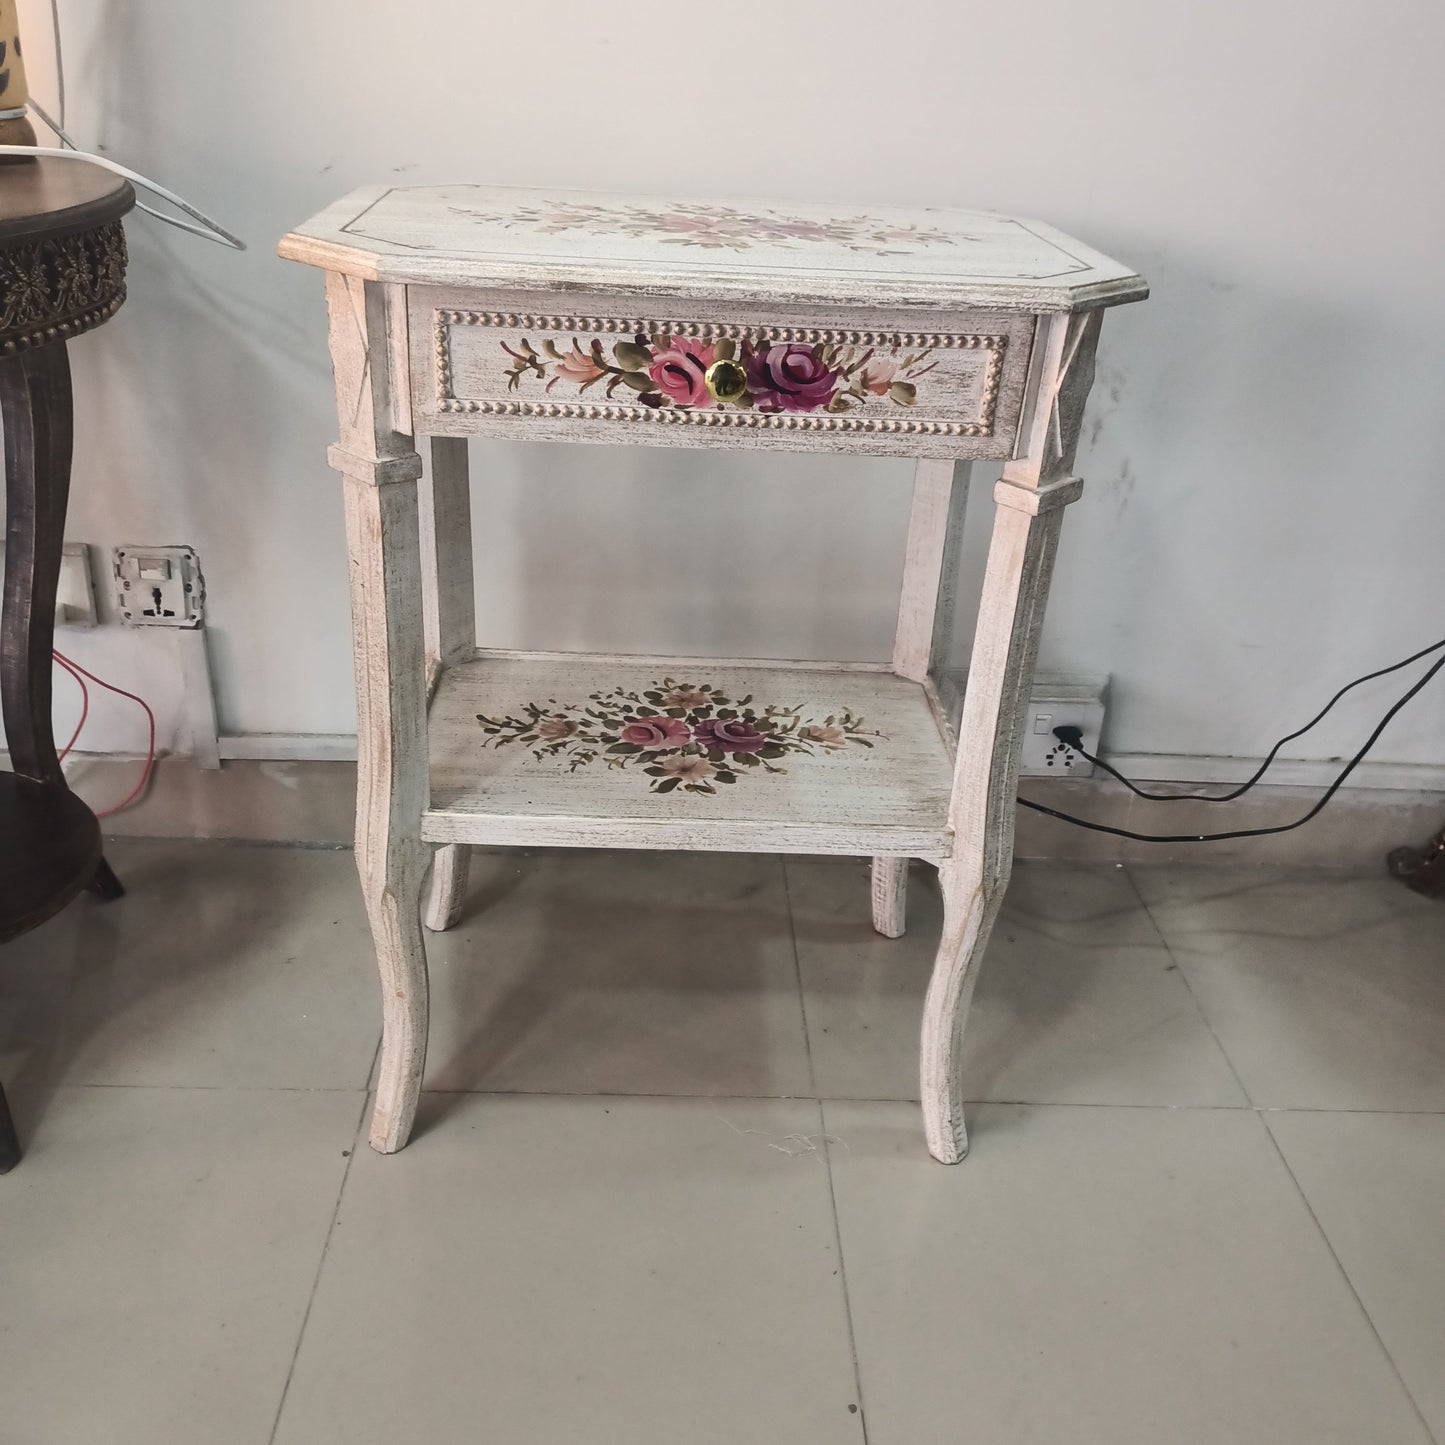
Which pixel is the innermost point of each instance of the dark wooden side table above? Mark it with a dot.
(62, 272)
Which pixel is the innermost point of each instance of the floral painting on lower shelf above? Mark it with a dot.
(681, 371)
(677, 734)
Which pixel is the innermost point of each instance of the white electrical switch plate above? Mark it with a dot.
(75, 594)
(75, 597)
(159, 586)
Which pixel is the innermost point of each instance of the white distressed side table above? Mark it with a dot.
(463, 310)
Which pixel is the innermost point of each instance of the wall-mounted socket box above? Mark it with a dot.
(159, 586)
(75, 595)
(1057, 700)
(1060, 701)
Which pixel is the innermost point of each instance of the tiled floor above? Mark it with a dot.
(669, 1184)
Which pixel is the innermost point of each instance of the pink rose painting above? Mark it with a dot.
(732, 736)
(681, 735)
(877, 375)
(577, 366)
(687, 697)
(687, 769)
(655, 732)
(680, 372)
(694, 223)
(790, 378)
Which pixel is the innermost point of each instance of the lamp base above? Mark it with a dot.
(16, 130)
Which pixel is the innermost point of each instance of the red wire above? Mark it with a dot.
(135, 792)
(84, 706)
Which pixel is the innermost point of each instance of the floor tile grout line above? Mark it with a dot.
(798, 975)
(1261, 1114)
(223, 1088)
(897, 1099)
(301, 845)
(356, 1143)
(1337, 1109)
(827, 1155)
(843, 1272)
(1189, 987)
(1349, 1283)
(779, 1098)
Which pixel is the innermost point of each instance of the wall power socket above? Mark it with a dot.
(159, 586)
(1059, 701)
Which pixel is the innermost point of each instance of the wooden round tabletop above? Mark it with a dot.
(49, 197)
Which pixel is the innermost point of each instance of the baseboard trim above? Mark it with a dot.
(1184, 770)
(1197, 770)
(290, 747)
(1356, 830)
(312, 801)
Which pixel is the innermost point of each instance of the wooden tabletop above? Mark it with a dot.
(49, 196)
(551, 240)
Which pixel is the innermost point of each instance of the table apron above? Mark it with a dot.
(613, 370)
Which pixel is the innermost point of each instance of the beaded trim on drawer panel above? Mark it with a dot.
(447, 401)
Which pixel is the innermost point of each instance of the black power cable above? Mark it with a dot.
(1263, 768)
(1334, 787)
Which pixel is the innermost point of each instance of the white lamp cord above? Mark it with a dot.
(208, 230)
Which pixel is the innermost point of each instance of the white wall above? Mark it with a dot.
(1265, 452)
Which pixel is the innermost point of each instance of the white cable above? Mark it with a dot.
(213, 231)
(59, 59)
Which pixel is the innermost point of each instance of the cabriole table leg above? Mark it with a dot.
(1028, 512)
(448, 889)
(380, 468)
(390, 784)
(9, 1143)
(974, 879)
(890, 896)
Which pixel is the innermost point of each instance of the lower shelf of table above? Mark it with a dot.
(557, 749)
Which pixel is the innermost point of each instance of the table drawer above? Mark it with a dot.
(674, 375)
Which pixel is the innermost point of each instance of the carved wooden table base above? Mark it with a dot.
(62, 272)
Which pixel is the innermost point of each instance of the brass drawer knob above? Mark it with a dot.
(726, 380)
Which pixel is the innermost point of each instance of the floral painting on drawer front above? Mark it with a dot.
(770, 376)
(676, 734)
(718, 227)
